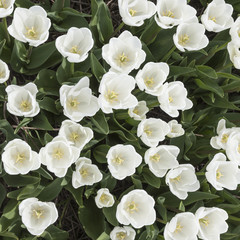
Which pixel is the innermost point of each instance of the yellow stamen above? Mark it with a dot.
(136, 111)
(122, 59)
(170, 99)
(132, 207)
(178, 228)
(118, 160)
(31, 33)
(38, 213)
(239, 148)
(149, 81)
(224, 138)
(3, 4)
(168, 13)
(183, 39)
(73, 103)
(74, 136)
(75, 49)
(121, 235)
(2, 74)
(111, 96)
(155, 157)
(213, 19)
(132, 12)
(148, 131)
(176, 179)
(20, 158)
(83, 172)
(58, 154)
(204, 221)
(25, 106)
(219, 174)
(104, 197)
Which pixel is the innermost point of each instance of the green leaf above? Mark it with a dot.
(177, 70)
(49, 105)
(197, 196)
(206, 71)
(20, 180)
(161, 208)
(52, 232)
(24, 3)
(100, 153)
(150, 178)
(77, 194)
(100, 122)
(52, 190)
(44, 173)
(230, 208)
(92, 219)
(23, 123)
(181, 207)
(41, 121)
(9, 235)
(3, 194)
(110, 214)
(96, 67)
(103, 236)
(46, 82)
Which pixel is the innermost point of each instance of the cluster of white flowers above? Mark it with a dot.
(220, 172)
(207, 223)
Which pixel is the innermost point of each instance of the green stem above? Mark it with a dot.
(161, 221)
(29, 53)
(6, 31)
(118, 29)
(166, 57)
(200, 173)
(72, 68)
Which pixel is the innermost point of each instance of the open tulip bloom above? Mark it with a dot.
(4, 72)
(6, 7)
(125, 232)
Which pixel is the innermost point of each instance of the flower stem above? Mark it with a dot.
(6, 31)
(29, 53)
(161, 221)
(118, 29)
(72, 68)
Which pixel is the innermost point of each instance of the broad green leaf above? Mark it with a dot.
(23, 123)
(151, 179)
(41, 121)
(103, 236)
(110, 214)
(52, 232)
(77, 194)
(178, 71)
(3, 194)
(24, 3)
(49, 105)
(9, 235)
(96, 67)
(20, 180)
(44, 173)
(206, 71)
(100, 153)
(230, 208)
(100, 122)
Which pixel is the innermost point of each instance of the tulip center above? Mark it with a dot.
(3, 4)
(31, 33)
(238, 148)
(75, 50)
(58, 154)
(111, 96)
(149, 81)
(132, 207)
(219, 174)
(25, 105)
(168, 13)
(132, 12)
(2, 74)
(73, 103)
(38, 213)
(83, 172)
(178, 228)
(122, 59)
(20, 158)
(213, 19)
(170, 99)
(121, 235)
(118, 160)
(239, 33)
(104, 198)
(224, 138)
(136, 111)
(74, 136)
(148, 131)
(204, 221)
(183, 39)
(155, 158)
(176, 179)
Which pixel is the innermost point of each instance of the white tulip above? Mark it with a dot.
(173, 12)
(212, 222)
(86, 173)
(76, 44)
(122, 233)
(123, 161)
(104, 198)
(134, 12)
(152, 131)
(77, 135)
(235, 31)
(30, 25)
(22, 100)
(222, 173)
(233, 146)
(4, 71)
(217, 16)
(138, 112)
(182, 180)
(18, 158)
(136, 208)
(176, 129)
(78, 101)
(162, 158)
(183, 226)
(220, 141)
(190, 36)
(152, 77)
(58, 155)
(115, 92)
(37, 215)
(6, 7)
(173, 97)
(124, 53)
(234, 53)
